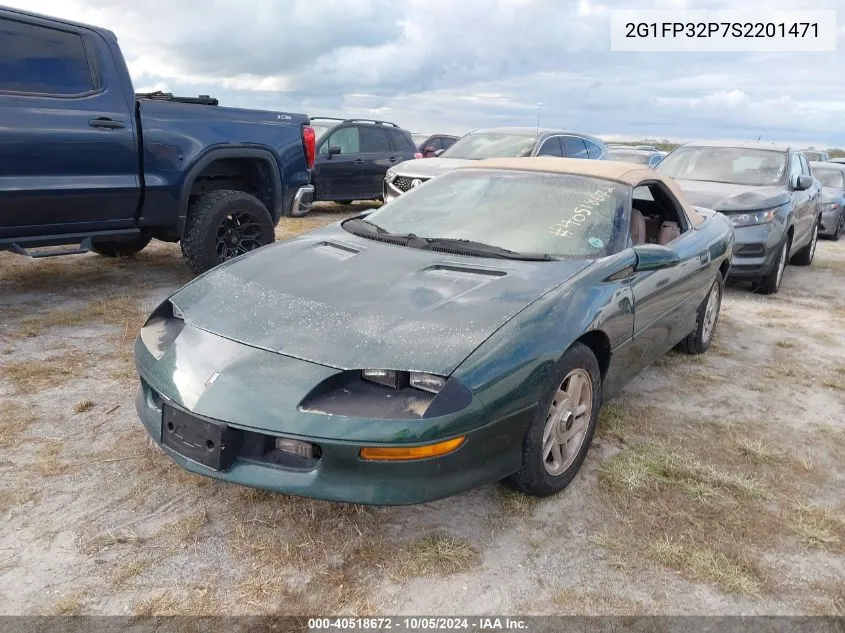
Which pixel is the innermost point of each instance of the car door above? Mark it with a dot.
(814, 195)
(339, 176)
(666, 300)
(378, 155)
(800, 204)
(550, 147)
(68, 157)
(403, 146)
(574, 147)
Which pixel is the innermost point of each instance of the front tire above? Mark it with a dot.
(769, 284)
(805, 256)
(121, 249)
(707, 317)
(560, 435)
(222, 225)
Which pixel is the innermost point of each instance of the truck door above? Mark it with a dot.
(68, 157)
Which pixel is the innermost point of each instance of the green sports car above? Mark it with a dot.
(464, 333)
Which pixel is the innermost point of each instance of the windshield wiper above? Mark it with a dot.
(371, 229)
(477, 248)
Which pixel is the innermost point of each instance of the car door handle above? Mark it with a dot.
(109, 124)
(392, 159)
(359, 161)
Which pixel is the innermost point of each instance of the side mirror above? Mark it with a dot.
(334, 150)
(654, 257)
(803, 183)
(438, 152)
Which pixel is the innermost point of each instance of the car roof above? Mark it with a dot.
(825, 164)
(631, 150)
(54, 20)
(630, 174)
(535, 131)
(779, 147)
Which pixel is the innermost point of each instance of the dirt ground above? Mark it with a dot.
(714, 485)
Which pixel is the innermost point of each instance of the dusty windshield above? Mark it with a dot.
(561, 215)
(481, 145)
(735, 165)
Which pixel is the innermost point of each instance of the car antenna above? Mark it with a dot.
(758, 139)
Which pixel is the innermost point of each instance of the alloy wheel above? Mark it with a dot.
(238, 233)
(711, 312)
(567, 422)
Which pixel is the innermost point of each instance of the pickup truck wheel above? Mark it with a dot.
(121, 249)
(222, 225)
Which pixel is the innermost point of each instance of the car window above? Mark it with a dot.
(481, 145)
(795, 169)
(735, 165)
(574, 147)
(401, 142)
(37, 59)
(564, 215)
(805, 166)
(830, 177)
(374, 141)
(433, 143)
(593, 150)
(345, 138)
(550, 147)
(447, 142)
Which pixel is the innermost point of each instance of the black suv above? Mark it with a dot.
(353, 156)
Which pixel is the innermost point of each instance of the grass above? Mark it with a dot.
(49, 463)
(817, 527)
(161, 604)
(31, 377)
(700, 563)
(128, 571)
(434, 554)
(611, 421)
(121, 310)
(72, 602)
(83, 405)
(16, 419)
(786, 343)
(515, 503)
(644, 467)
(110, 539)
(756, 450)
(14, 498)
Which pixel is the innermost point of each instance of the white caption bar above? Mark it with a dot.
(726, 31)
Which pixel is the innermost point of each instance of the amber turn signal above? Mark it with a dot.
(402, 453)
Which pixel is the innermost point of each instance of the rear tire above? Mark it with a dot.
(840, 227)
(769, 284)
(560, 435)
(121, 249)
(222, 225)
(707, 317)
(805, 256)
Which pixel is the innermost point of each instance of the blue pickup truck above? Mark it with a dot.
(87, 164)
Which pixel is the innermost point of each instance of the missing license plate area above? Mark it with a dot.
(206, 442)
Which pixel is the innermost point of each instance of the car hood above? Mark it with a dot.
(429, 167)
(727, 197)
(339, 300)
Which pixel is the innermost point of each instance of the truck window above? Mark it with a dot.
(37, 59)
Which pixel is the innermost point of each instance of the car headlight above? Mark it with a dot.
(399, 379)
(162, 328)
(753, 218)
(390, 174)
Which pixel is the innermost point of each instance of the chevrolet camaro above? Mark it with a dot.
(465, 333)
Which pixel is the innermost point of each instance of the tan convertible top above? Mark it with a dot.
(628, 173)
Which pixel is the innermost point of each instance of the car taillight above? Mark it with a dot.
(418, 155)
(309, 142)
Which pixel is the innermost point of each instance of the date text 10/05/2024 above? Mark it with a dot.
(419, 624)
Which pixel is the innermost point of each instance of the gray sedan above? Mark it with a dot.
(832, 178)
(768, 192)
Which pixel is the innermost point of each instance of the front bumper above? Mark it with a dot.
(303, 200)
(830, 220)
(756, 249)
(256, 393)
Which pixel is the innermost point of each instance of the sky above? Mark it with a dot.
(451, 66)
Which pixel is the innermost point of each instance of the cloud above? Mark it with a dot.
(442, 65)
